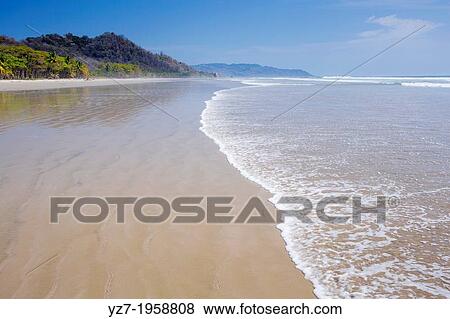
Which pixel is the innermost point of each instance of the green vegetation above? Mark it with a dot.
(108, 48)
(110, 69)
(109, 55)
(22, 62)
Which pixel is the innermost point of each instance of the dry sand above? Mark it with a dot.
(143, 154)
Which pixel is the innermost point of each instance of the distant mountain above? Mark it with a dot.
(108, 48)
(248, 70)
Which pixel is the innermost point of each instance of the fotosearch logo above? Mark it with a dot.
(212, 209)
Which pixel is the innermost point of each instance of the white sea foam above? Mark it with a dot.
(426, 84)
(431, 82)
(271, 83)
(348, 260)
(391, 78)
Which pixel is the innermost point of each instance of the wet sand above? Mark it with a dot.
(44, 84)
(103, 141)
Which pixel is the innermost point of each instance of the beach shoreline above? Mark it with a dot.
(135, 260)
(47, 84)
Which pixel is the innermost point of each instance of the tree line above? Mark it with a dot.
(109, 47)
(22, 62)
(109, 55)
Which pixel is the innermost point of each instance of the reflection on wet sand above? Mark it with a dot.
(108, 105)
(86, 119)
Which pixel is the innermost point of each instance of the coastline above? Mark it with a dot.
(243, 110)
(47, 84)
(166, 260)
(272, 196)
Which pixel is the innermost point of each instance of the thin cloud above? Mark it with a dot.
(393, 27)
(406, 4)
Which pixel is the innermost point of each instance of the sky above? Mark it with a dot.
(321, 37)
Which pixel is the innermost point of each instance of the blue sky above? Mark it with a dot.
(322, 37)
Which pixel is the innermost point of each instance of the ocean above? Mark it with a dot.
(362, 136)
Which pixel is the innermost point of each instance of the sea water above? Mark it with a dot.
(367, 137)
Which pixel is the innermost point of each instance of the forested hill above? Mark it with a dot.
(108, 47)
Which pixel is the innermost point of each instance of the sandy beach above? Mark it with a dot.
(44, 84)
(103, 141)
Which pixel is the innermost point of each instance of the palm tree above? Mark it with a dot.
(4, 70)
(79, 66)
(51, 60)
(82, 69)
